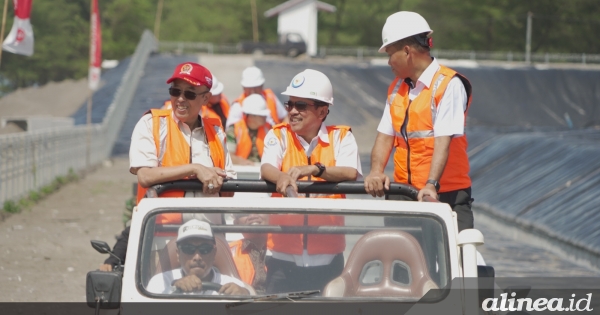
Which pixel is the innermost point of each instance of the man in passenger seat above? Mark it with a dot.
(196, 251)
(249, 253)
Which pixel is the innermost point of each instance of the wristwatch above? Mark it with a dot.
(435, 184)
(321, 168)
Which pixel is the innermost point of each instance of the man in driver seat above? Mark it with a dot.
(196, 251)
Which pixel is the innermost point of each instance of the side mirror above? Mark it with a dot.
(101, 247)
(103, 289)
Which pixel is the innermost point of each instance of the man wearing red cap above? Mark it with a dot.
(177, 144)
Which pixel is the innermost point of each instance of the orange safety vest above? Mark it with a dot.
(208, 112)
(412, 159)
(271, 103)
(244, 142)
(177, 152)
(243, 262)
(296, 156)
(167, 105)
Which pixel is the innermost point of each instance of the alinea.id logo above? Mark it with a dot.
(539, 305)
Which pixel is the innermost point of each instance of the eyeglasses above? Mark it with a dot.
(300, 105)
(189, 95)
(190, 249)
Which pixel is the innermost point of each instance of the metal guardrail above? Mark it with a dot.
(32, 160)
(362, 52)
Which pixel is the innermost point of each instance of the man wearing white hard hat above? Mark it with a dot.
(253, 82)
(218, 105)
(424, 118)
(196, 252)
(307, 149)
(245, 139)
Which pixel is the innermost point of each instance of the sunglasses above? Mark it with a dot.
(300, 105)
(189, 95)
(190, 249)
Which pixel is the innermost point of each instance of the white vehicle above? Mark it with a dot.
(397, 253)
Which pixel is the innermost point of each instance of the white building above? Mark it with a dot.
(300, 16)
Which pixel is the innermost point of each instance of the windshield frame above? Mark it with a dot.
(144, 248)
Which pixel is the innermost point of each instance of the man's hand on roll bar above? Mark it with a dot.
(290, 192)
(283, 182)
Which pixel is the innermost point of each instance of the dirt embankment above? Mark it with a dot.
(45, 252)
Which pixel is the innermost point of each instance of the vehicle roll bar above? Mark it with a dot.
(263, 186)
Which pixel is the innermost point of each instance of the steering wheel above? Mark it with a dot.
(211, 286)
(206, 286)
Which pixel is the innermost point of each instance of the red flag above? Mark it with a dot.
(95, 47)
(20, 38)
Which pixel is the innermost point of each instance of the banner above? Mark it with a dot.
(20, 38)
(95, 47)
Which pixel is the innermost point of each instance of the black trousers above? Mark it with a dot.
(459, 200)
(286, 276)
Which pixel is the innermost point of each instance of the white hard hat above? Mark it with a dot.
(252, 77)
(217, 87)
(311, 84)
(255, 104)
(401, 25)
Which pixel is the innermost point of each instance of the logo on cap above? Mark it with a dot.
(186, 68)
(298, 81)
(194, 227)
(208, 80)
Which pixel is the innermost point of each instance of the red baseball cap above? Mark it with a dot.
(192, 73)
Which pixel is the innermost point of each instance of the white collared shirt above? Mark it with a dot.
(345, 153)
(345, 150)
(450, 117)
(142, 152)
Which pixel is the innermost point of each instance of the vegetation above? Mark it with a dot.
(61, 28)
(33, 197)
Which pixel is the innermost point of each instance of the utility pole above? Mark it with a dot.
(3, 23)
(88, 119)
(528, 39)
(254, 21)
(158, 18)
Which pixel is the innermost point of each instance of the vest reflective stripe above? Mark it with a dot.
(271, 103)
(296, 156)
(392, 95)
(414, 150)
(174, 149)
(244, 142)
(243, 262)
(420, 134)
